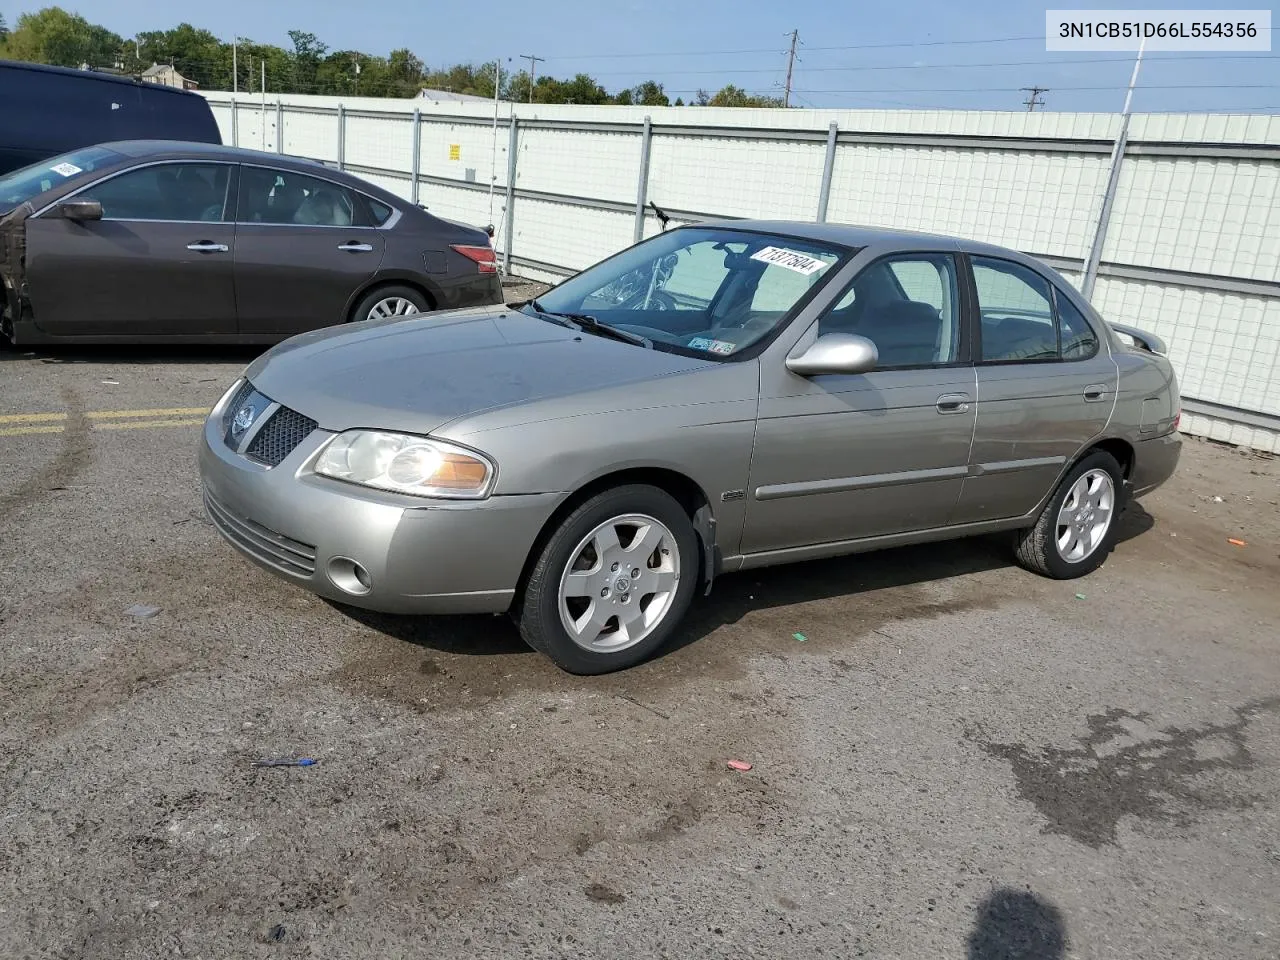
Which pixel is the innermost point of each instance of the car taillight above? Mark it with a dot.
(484, 257)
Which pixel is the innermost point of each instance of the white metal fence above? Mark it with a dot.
(1190, 249)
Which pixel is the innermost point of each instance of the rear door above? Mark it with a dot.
(157, 264)
(303, 249)
(1046, 387)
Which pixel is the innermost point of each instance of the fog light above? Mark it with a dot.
(349, 576)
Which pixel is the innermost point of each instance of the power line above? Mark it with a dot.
(855, 46)
(1035, 100)
(941, 66)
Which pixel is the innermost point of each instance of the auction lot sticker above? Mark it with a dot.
(1157, 29)
(791, 259)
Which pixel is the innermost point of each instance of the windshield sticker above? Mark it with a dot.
(712, 346)
(782, 257)
(66, 169)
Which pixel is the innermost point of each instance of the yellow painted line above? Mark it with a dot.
(31, 417)
(105, 414)
(139, 424)
(23, 431)
(145, 424)
(165, 412)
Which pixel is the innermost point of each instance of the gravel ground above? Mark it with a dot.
(961, 760)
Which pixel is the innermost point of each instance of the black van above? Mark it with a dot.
(45, 111)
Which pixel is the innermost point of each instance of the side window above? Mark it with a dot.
(908, 305)
(1017, 312)
(285, 197)
(1079, 342)
(193, 192)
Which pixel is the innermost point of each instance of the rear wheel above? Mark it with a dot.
(612, 582)
(1077, 528)
(390, 301)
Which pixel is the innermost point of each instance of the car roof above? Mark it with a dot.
(884, 239)
(210, 151)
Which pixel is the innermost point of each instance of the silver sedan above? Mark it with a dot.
(719, 397)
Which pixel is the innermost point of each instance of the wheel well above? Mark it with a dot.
(382, 284)
(685, 492)
(1122, 450)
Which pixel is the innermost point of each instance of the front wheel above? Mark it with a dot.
(612, 582)
(1078, 527)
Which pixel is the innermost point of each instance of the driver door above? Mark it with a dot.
(847, 457)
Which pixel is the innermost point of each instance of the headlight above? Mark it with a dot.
(406, 464)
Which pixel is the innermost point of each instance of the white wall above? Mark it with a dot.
(1197, 208)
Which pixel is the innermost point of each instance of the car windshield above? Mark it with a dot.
(23, 184)
(702, 291)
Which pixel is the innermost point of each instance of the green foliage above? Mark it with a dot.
(53, 35)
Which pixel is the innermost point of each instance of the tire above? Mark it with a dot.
(394, 293)
(1056, 547)
(614, 613)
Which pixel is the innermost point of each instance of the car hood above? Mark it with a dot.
(418, 375)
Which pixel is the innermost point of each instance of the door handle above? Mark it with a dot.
(953, 403)
(354, 246)
(1095, 393)
(205, 246)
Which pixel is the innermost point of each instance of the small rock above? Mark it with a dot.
(142, 611)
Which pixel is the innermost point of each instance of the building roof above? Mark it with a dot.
(156, 69)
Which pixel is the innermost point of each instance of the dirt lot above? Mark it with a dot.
(961, 759)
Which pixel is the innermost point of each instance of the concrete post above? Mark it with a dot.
(235, 123)
(642, 188)
(417, 151)
(508, 233)
(279, 127)
(828, 165)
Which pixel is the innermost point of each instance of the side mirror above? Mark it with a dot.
(79, 210)
(835, 353)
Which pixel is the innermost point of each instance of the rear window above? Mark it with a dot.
(29, 182)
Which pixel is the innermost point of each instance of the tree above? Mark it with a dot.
(703, 98)
(679, 101)
(650, 94)
(64, 39)
(4, 30)
(308, 51)
(731, 96)
(624, 98)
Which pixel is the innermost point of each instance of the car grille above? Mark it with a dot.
(279, 436)
(274, 549)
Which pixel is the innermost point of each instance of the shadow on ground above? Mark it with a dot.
(860, 579)
(1017, 925)
(132, 354)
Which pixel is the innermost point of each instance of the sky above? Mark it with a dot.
(911, 53)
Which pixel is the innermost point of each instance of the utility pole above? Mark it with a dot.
(235, 73)
(1035, 100)
(533, 70)
(791, 62)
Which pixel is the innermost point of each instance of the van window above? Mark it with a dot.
(29, 182)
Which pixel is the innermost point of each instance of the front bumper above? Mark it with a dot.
(420, 556)
(1154, 462)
